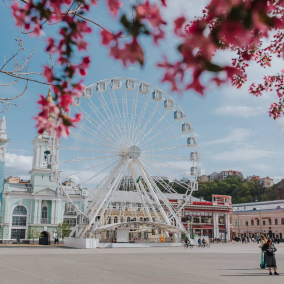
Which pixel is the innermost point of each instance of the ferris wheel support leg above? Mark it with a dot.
(106, 199)
(154, 195)
(97, 204)
(166, 201)
(134, 174)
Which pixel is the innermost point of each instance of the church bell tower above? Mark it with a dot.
(3, 145)
(44, 155)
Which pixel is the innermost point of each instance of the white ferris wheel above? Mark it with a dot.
(133, 149)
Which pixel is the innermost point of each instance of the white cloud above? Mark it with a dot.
(18, 165)
(281, 122)
(242, 155)
(263, 167)
(244, 111)
(236, 135)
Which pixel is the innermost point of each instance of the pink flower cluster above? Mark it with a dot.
(132, 52)
(236, 25)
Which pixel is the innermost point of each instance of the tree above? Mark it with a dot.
(63, 230)
(238, 26)
(35, 233)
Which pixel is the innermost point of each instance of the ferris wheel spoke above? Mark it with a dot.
(181, 183)
(168, 157)
(108, 129)
(166, 165)
(95, 134)
(161, 141)
(154, 126)
(87, 159)
(91, 141)
(108, 111)
(133, 113)
(160, 181)
(166, 148)
(148, 121)
(117, 111)
(100, 172)
(92, 167)
(93, 122)
(165, 173)
(74, 148)
(125, 111)
(141, 116)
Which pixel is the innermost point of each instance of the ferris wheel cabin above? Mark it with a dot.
(178, 115)
(168, 104)
(157, 95)
(130, 85)
(143, 89)
(191, 141)
(88, 93)
(101, 87)
(194, 156)
(115, 84)
(186, 128)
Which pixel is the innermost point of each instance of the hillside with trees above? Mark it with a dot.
(240, 190)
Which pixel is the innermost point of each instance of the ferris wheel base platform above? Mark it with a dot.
(82, 243)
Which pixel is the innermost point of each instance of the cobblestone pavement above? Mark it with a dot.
(221, 263)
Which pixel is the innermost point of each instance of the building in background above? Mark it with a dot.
(221, 175)
(209, 218)
(257, 218)
(266, 182)
(203, 178)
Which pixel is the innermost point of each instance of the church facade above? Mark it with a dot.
(36, 202)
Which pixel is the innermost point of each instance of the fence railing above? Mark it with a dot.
(45, 220)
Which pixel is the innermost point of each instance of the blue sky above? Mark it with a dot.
(234, 130)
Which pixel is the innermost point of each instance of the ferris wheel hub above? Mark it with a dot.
(134, 152)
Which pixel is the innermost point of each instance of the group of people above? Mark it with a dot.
(203, 242)
(268, 255)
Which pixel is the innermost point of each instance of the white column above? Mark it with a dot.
(228, 227)
(216, 225)
(40, 157)
(37, 157)
(52, 211)
(56, 221)
(59, 216)
(35, 211)
(7, 211)
(39, 211)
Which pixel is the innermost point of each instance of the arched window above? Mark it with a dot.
(134, 219)
(141, 219)
(108, 220)
(121, 219)
(128, 219)
(153, 219)
(44, 212)
(45, 159)
(115, 219)
(20, 210)
(19, 220)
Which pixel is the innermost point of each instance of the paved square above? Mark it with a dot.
(221, 263)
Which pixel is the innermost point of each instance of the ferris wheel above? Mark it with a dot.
(134, 149)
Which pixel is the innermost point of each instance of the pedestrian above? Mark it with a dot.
(270, 250)
(263, 253)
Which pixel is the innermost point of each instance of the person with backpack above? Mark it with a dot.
(263, 241)
(270, 250)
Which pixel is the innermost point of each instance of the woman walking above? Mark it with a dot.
(270, 250)
(263, 253)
